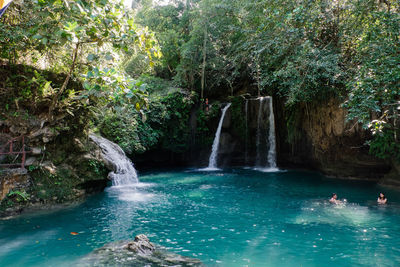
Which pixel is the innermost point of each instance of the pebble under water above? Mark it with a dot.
(232, 217)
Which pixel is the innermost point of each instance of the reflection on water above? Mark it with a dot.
(209, 169)
(134, 193)
(227, 218)
(350, 214)
(267, 169)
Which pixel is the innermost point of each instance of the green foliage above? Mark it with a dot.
(52, 187)
(137, 65)
(176, 124)
(202, 130)
(50, 24)
(205, 137)
(25, 87)
(384, 145)
(84, 39)
(311, 74)
(211, 46)
(97, 167)
(163, 124)
(374, 89)
(156, 86)
(120, 125)
(170, 25)
(303, 51)
(289, 48)
(306, 52)
(32, 168)
(110, 84)
(20, 196)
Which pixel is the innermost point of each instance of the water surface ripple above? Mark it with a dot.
(233, 217)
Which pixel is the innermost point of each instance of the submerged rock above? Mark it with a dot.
(140, 252)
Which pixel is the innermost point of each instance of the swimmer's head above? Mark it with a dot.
(381, 195)
(334, 196)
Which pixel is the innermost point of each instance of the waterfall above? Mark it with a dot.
(259, 130)
(246, 152)
(266, 162)
(123, 172)
(271, 136)
(212, 162)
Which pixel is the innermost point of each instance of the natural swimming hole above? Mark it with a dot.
(232, 217)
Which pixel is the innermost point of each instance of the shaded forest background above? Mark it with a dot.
(134, 75)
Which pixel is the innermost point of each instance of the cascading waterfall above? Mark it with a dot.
(271, 136)
(270, 141)
(212, 162)
(124, 173)
(246, 153)
(259, 135)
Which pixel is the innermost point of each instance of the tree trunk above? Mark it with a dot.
(258, 77)
(64, 86)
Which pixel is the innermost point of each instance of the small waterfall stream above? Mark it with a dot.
(259, 131)
(266, 162)
(271, 136)
(246, 152)
(124, 173)
(212, 162)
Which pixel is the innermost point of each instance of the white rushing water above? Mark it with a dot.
(124, 173)
(259, 134)
(271, 136)
(212, 162)
(270, 164)
(246, 152)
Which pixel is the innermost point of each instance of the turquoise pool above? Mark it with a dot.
(234, 217)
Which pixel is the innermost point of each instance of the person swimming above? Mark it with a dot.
(382, 198)
(334, 199)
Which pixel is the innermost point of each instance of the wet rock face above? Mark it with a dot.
(393, 177)
(15, 179)
(140, 252)
(244, 135)
(67, 170)
(322, 138)
(314, 136)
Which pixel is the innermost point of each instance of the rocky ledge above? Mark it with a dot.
(140, 252)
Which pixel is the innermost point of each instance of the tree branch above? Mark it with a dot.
(64, 86)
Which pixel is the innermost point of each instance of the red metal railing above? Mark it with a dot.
(8, 149)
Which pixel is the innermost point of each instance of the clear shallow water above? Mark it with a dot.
(225, 218)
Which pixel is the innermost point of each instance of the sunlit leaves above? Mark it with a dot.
(96, 31)
(374, 97)
(110, 84)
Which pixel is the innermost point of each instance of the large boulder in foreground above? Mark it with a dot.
(140, 252)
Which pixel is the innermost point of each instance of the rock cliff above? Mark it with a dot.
(59, 167)
(318, 136)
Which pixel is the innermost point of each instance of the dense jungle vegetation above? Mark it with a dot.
(136, 74)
